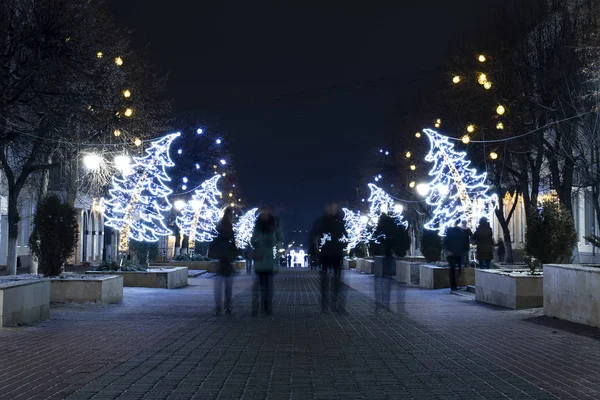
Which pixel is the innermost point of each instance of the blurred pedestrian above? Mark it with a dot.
(223, 248)
(331, 233)
(265, 239)
(501, 250)
(466, 253)
(249, 253)
(484, 239)
(454, 244)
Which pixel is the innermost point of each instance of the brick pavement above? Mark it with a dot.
(166, 344)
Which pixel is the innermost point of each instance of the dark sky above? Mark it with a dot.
(302, 89)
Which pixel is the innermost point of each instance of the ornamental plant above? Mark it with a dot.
(551, 235)
(431, 245)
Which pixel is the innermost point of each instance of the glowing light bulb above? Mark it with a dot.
(218, 141)
(122, 162)
(487, 85)
(482, 79)
(481, 58)
(456, 79)
(500, 110)
(439, 121)
(387, 153)
(179, 204)
(418, 135)
(185, 179)
(137, 142)
(413, 167)
(230, 194)
(379, 176)
(381, 150)
(422, 189)
(408, 154)
(493, 155)
(99, 54)
(127, 93)
(223, 162)
(119, 61)
(214, 166)
(364, 219)
(471, 128)
(128, 112)
(197, 166)
(92, 161)
(224, 174)
(117, 133)
(180, 151)
(437, 125)
(412, 184)
(499, 126)
(183, 187)
(466, 139)
(199, 131)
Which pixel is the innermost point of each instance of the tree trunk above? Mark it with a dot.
(73, 177)
(13, 232)
(510, 258)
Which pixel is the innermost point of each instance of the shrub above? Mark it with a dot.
(128, 265)
(550, 235)
(54, 235)
(143, 253)
(431, 245)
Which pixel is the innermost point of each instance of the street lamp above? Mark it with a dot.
(179, 204)
(92, 161)
(423, 189)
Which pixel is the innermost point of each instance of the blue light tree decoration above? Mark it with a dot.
(139, 197)
(244, 228)
(199, 218)
(457, 192)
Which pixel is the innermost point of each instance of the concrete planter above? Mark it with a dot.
(408, 272)
(155, 277)
(360, 264)
(24, 301)
(210, 266)
(349, 263)
(572, 292)
(369, 267)
(511, 288)
(240, 265)
(437, 277)
(87, 288)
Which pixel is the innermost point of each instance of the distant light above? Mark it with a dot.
(439, 121)
(456, 79)
(412, 184)
(122, 162)
(230, 194)
(466, 139)
(119, 61)
(376, 179)
(185, 179)
(413, 167)
(493, 155)
(197, 166)
(482, 79)
(379, 176)
(184, 187)
(180, 151)
(422, 189)
(499, 126)
(387, 153)
(471, 128)
(437, 125)
(218, 141)
(99, 54)
(418, 135)
(408, 154)
(117, 133)
(381, 150)
(223, 162)
(199, 131)
(179, 204)
(137, 142)
(481, 58)
(224, 174)
(500, 110)
(127, 93)
(92, 161)
(363, 200)
(128, 112)
(487, 85)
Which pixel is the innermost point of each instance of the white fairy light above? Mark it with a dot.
(92, 161)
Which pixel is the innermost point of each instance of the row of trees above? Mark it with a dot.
(539, 61)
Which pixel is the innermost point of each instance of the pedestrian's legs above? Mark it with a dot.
(386, 286)
(255, 294)
(324, 287)
(228, 290)
(218, 294)
(452, 261)
(268, 292)
(337, 281)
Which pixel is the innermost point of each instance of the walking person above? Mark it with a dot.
(468, 233)
(501, 250)
(454, 245)
(483, 238)
(249, 252)
(330, 231)
(223, 248)
(265, 238)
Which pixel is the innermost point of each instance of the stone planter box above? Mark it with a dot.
(369, 267)
(408, 272)
(349, 263)
(510, 288)
(210, 266)
(155, 277)
(23, 301)
(360, 264)
(240, 265)
(572, 293)
(437, 277)
(87, 288)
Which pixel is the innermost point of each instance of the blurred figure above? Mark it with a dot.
(223, 249)
(484, 239)
(464, 225)
(330, 231)
(289, 260)
(249, 252)
(265, 238)
(501, 250)
(454, 244)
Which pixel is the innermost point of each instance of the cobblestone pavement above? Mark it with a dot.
(165, 344)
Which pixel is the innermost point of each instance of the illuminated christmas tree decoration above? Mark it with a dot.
(199, 218)
(122, 163)
(139, 199)
(457, 192)
(179, 204)
(244, 228)
(356, 227)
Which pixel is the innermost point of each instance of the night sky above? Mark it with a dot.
(303, 90)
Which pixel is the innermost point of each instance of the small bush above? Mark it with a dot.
(195, 257)
(550, 235)
(143, 252)
(54, 235)
(128, 265)
(431, 245)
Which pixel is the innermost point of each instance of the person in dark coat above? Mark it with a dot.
(454, 245)
(330, 231)
(483, 238)
(224, 249)
(464, 225)
(501, 250)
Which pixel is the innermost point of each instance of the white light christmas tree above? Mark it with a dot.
(200, 216)
(457, 192)
(139, 197)
(361, 228)
(244, 228)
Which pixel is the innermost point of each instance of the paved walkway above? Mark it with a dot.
(165, 344)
